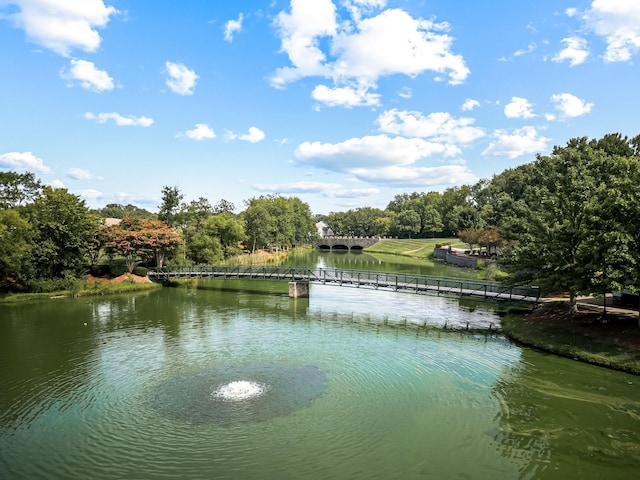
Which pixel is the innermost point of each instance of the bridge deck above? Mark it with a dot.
(399, 282)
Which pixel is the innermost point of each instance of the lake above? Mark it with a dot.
(235, 380)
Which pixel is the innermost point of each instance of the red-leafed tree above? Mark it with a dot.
(139, 240)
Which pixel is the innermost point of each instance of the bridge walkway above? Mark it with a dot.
(399, 282)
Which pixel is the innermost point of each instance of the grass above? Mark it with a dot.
(85, 290)
(415, 248)
(564, 341)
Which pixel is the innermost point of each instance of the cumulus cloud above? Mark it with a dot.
(82, 174)
(121, 121)
(518, 108)
(55, 184)
(345, 96)
(515, 143)
(571, 106)
(87, 75)
(438, 126)
(231, 27)
(61, 25)
(469, 104)
(201, 131)
(383, 159)
(333, 190)
(618, 22)
(575, 51)
(357, 51)
(181, 79)
(23, 161)
(254, 135)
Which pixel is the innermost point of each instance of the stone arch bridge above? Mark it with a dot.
(346, 243)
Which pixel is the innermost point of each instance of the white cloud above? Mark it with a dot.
(575, 52)
(524, 51)
(61, 25)
(358, 51)
(618, 22)
(55, 184)
(334, 190)
(405, 92)
(518, 108)
(571, 12)
(23, 161)
(181, 79)
(91, 194)
(385, 160)
(438, 126)
(231, 27)
(469, 104)
(571, 106)
(201, 132)
(254, 135)
(345, 96)
(88, 76)
(121, 121)
(516, 143)
(82, 174)
(368, 152)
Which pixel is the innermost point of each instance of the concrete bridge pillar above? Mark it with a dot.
(298, 289)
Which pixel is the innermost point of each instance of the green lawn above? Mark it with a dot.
(417, 247)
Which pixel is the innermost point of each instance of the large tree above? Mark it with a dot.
(18, 189)
(16, 246)
(169, 209)
(63, 232)
(569, 230)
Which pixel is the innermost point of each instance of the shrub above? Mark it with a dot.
(100, 270)
(117, 270)
(140, 271)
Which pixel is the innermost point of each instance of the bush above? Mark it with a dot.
(100, 270)
(117, 270)
(140, 271)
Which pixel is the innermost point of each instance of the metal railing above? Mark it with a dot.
(405, 282)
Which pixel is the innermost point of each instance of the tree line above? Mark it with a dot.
(50, 239)
(568, 222)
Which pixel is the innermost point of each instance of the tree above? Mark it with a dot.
(408, 221)
(570, 227)
(140, 240)
(63, 233)
(15, 248)
(224, 206)
(169, 209)
(18, 189)
(116, 210)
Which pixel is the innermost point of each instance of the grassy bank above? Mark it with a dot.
(83, 289)
(553, 330)
(415, 248)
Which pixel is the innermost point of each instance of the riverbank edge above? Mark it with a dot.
(88, 290)
(552, 329)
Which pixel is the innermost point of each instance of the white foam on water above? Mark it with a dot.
(239, 390)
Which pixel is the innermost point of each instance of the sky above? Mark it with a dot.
(342, 103)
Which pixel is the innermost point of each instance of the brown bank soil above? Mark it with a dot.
(124, 278)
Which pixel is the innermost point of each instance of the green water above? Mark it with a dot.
(355, 384)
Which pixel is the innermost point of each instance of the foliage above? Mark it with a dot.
(116, 210)
(273, 221)
(18, 189)
(139, 240)
(15, 248)
(63, 230)
(140, 271)
(169, 209)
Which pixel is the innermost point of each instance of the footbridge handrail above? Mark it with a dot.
(407, 282)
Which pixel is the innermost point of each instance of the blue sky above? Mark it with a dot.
(343, 103)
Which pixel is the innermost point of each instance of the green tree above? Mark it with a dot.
(15, 249)
(116, 210)
(63, 233)
(169, 209)
(408, 222)
(18, 189)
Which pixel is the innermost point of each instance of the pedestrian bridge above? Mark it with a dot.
(398, 282)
